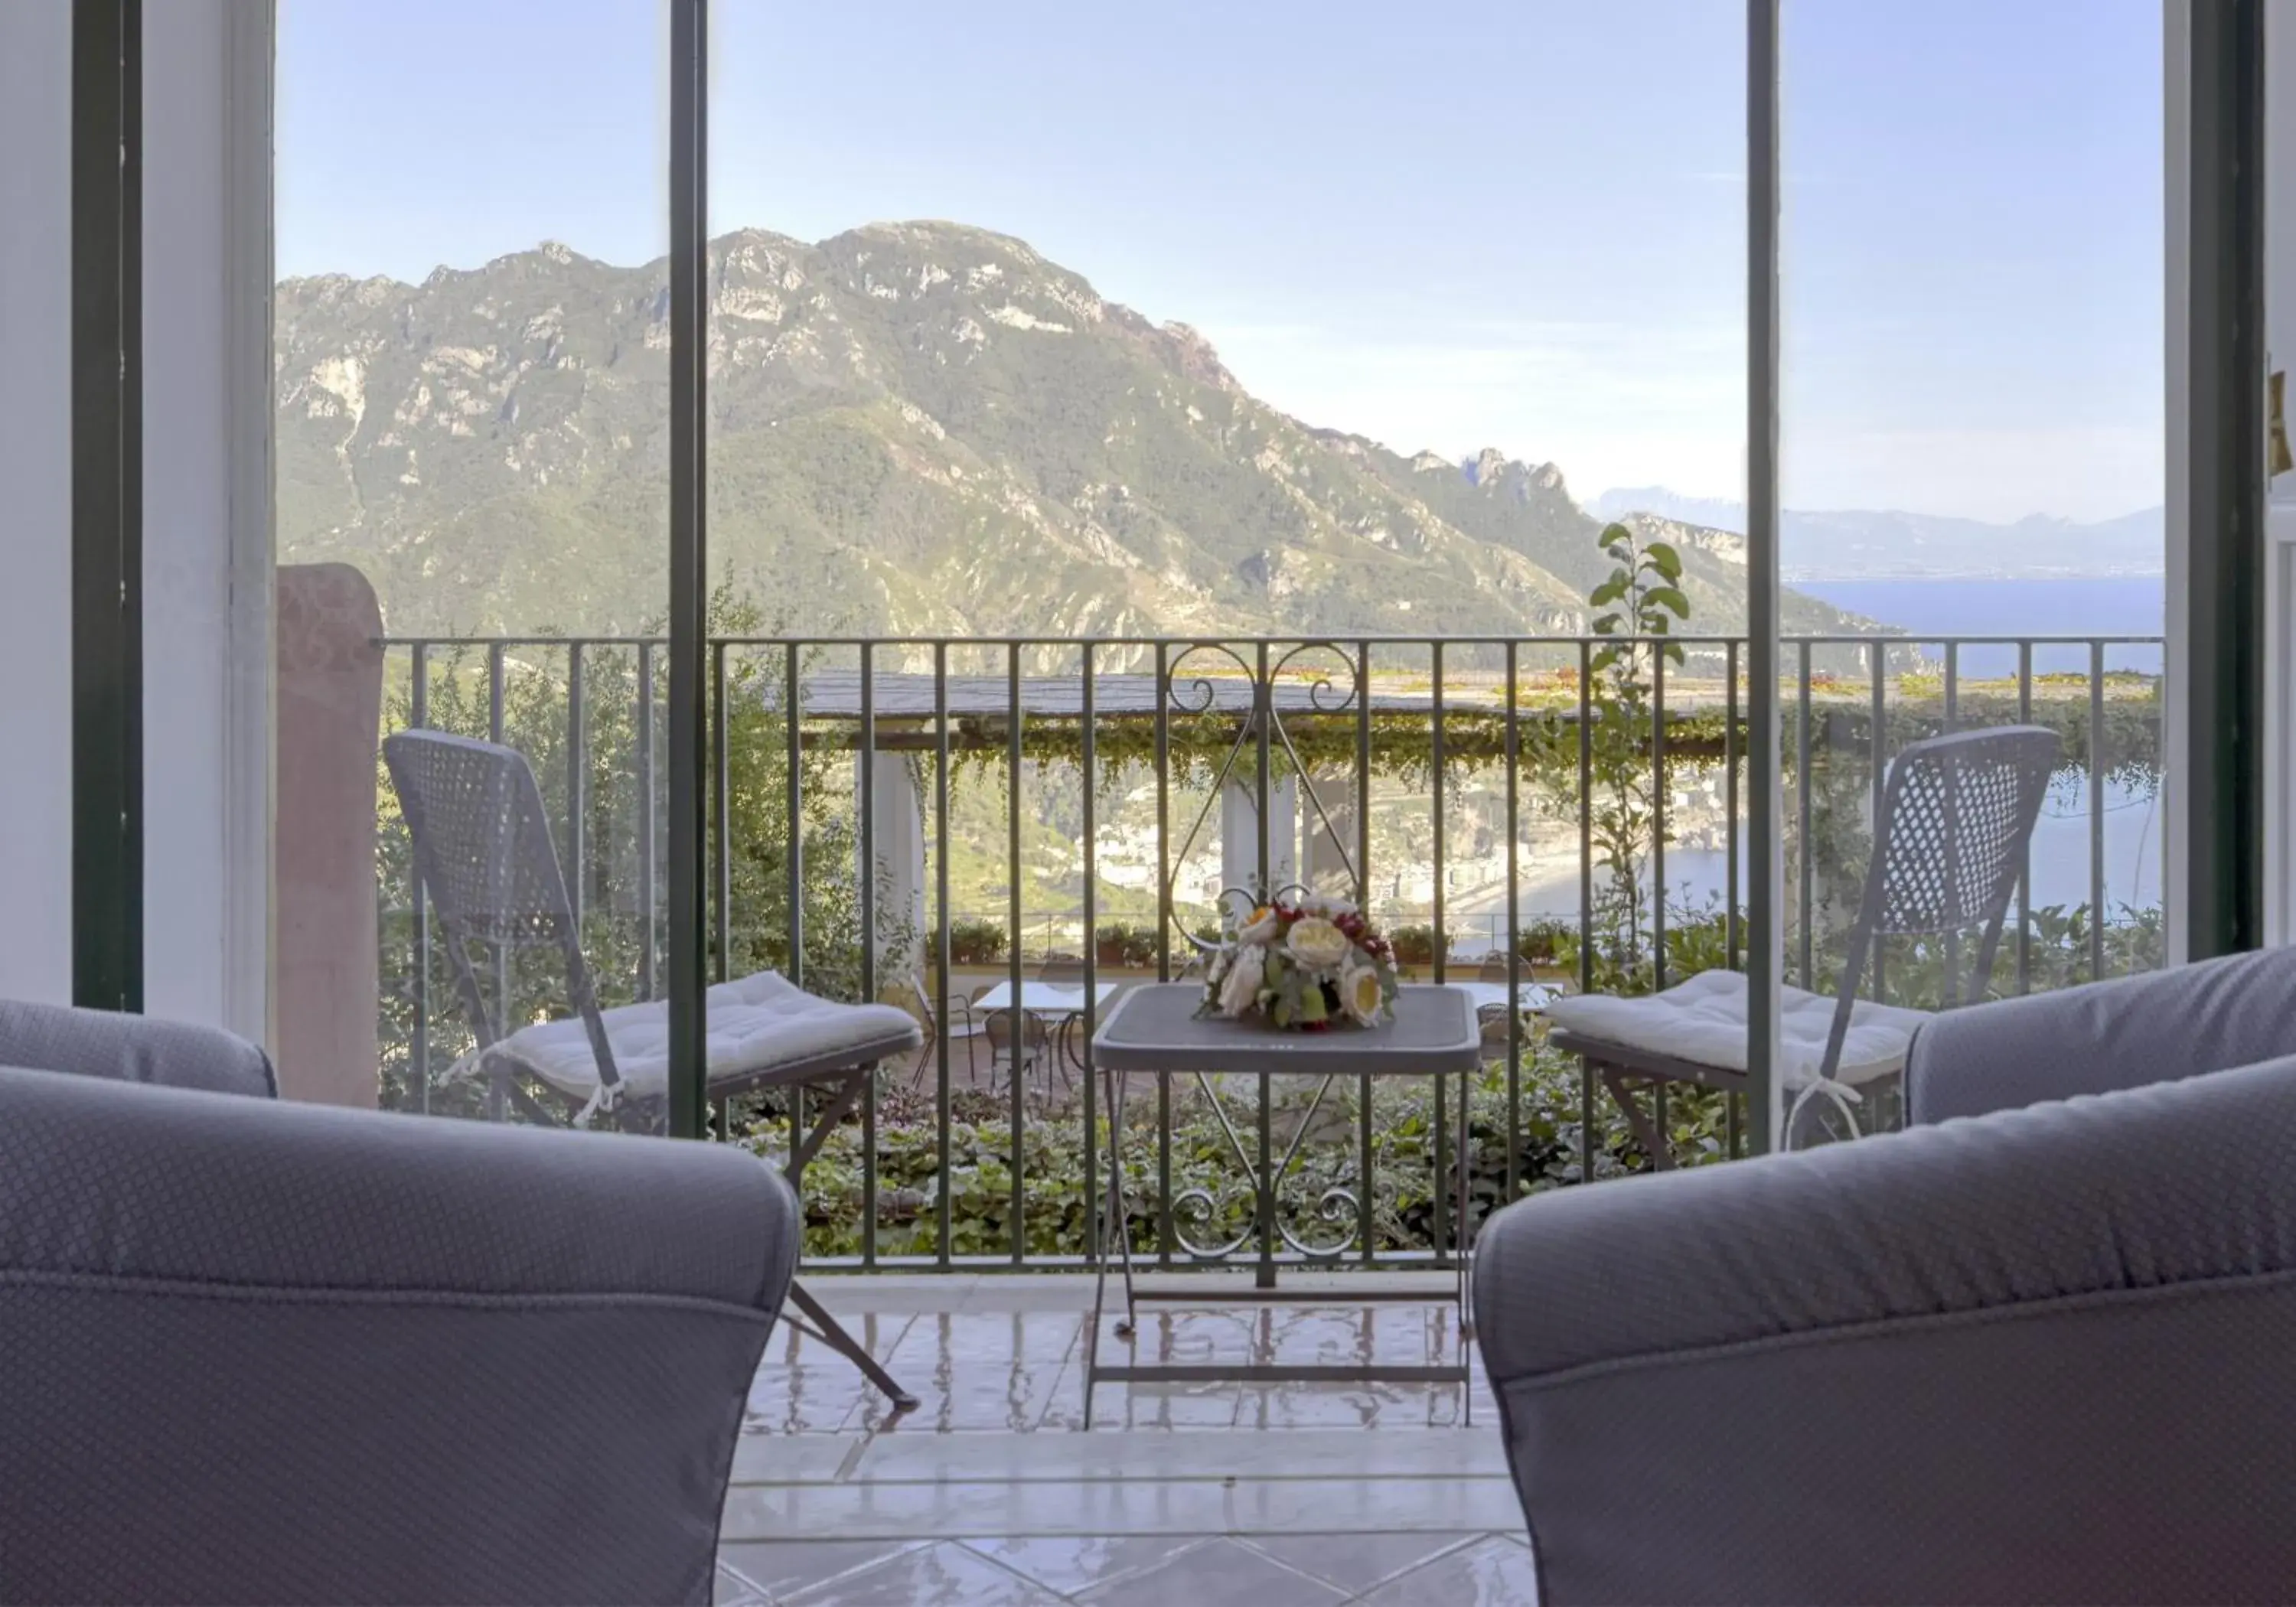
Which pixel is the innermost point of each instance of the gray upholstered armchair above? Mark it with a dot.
(2039, 1347)
(253, 1351)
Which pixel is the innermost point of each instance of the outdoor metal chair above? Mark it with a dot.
(1061, 970)
(950, 1015)
(1016, 1050)
(482, 849)
(1957, 815)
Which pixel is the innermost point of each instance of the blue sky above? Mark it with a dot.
(1450, 224)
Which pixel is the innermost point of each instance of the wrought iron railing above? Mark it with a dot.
(1016, 793)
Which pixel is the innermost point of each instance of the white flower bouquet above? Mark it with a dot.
(1305, 963)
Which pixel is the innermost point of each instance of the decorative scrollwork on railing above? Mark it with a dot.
(1193, 692)
(1322, 700)
(1202, 1204)
(1333, 687)
(1337, 1206)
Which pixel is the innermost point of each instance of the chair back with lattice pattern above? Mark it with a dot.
(1957, 817)
(482, 848)
(1002, 1032)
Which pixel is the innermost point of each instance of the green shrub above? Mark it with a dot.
(975, 942)
(1414, 945)
(1054, 1218)
(1121, 943)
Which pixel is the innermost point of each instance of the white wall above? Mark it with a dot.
(206, 605)
(35, 499)
(206, 537)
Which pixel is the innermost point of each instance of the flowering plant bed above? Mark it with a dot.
(1304, 963)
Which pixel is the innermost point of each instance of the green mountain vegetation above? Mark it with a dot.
(916, 429)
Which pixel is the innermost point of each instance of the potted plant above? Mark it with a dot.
(1541, 942)
(1114, 944)
(975, 942)
(1413, 945)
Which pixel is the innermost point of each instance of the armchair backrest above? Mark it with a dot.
(132, 1048)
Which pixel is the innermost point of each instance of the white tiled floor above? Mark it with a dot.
(993, 1492)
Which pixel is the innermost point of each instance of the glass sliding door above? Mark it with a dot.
(1973, 454)
(1073, 390)
(472, 365)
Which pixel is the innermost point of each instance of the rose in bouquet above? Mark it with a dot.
(1303, 961)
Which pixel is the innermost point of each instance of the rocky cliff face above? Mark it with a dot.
(914, 428)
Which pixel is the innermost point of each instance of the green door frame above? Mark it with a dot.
(2221, 882)
(107, 516)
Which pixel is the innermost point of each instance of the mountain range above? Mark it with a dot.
(917, 428)
(1889, 545)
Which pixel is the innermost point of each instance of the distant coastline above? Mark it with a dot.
(2084, 605)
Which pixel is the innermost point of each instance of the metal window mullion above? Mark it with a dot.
(1764, 949)
(2221, 882)
(107, 507)
(689, 565)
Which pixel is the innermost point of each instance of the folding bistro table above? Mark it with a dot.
(1155, 1029)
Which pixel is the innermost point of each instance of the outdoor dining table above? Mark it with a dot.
(1046, 998)
(1058, 1004)
(1155, 1029)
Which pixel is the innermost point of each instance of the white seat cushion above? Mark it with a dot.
(1703, 1020)
(754, 1025)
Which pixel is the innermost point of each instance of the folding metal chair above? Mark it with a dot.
(483, 851)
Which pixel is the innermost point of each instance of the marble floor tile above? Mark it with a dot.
(777, 1569)
(802, 1386)
(1208, 1404)
(946, 1575)
(1068, 1564)
(1218, 1573)
(909, 1512)
(729, 1589)
(1308, 1453)
(1279, 1506)
(1357, 1562)
(975, 1371)
(768, 1458)
(1492, 1572)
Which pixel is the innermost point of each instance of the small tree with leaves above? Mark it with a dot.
(1638, 605)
